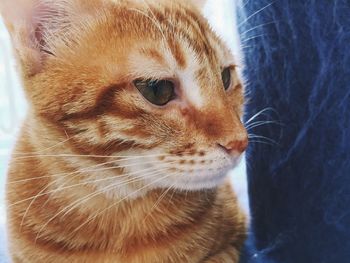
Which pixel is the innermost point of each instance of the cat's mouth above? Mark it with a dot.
(196, 171)
(207, 177)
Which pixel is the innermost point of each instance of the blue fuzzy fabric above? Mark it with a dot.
(297, 55)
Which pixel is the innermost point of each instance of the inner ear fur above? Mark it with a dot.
(38, 27)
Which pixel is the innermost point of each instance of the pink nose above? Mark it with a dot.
(235, 146)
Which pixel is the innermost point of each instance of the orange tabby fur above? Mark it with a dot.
(170, 204)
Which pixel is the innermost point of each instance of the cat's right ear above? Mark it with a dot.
(37, 27)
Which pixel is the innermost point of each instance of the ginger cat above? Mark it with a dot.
(134, 122)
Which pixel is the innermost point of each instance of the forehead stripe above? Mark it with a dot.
(188, 28)
(177, 52)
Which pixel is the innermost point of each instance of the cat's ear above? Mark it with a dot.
(199, 3)
(37, 27)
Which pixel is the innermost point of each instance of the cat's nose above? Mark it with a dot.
(236, 146)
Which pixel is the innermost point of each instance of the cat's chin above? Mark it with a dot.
(196, 182)
(201, 180)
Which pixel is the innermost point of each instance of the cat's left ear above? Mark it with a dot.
(39, 27)
(199, 3)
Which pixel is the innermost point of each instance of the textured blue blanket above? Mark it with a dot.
(297, 55)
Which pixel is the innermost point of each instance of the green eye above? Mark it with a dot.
(226, 78)
(158, 92)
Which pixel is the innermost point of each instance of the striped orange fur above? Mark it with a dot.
(101, 173)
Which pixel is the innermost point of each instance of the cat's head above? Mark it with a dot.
(133, 78)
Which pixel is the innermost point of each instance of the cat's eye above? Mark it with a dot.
(226, 78)
(158, 92)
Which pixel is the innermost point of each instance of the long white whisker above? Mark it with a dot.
(244, 48)
(89, 156)
(84, 199)
(172, 195)
(84, 183)
(245, 4)
(75, 204)
(42, 193)
(50, 147)
(86, 170)
(261, 142)
(254, 14)
(259, 113)
(251, 38)
(261, 123)
(119, 201)
(253, 136)
(159, 199)
(255, 27)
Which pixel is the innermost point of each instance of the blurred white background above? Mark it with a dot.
(13, 105)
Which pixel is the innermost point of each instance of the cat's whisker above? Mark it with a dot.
(94, 156)
(244, 5)
(89, 170)
(63, 175)
(98, 180)
(261, 123)
(116, 184)
(84, 199)
(159, 199)
(125, 182)
(251, 38)
(86, 155)
(256, 27)
(172, 195)
(246, 47)
(260, 142)
(154, 173)
(42, 193)
(253, 136)
(263, 111)
(121, 200)
(50, 147)
(254, 14)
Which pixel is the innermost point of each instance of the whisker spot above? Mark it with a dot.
(192, 152)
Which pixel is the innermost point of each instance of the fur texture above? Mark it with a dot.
(99, 173)
(298, 63)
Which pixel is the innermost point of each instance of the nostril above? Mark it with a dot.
(235, 146)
